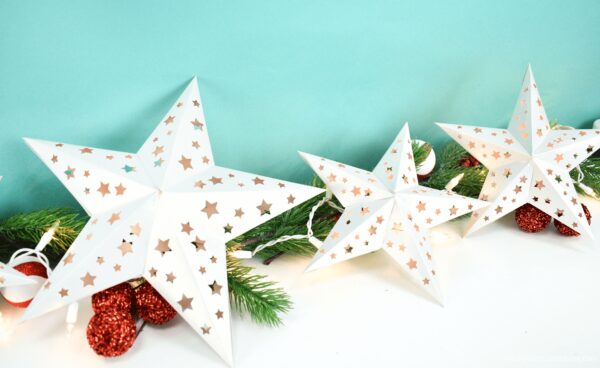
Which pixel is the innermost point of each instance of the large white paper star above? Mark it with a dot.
(164, 213)
(528, 162)
(387, 209)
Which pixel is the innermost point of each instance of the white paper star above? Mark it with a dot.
(528, 162)
(387, 209)
(164, 213)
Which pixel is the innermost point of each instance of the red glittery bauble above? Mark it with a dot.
(111, 333)
(151, 306)
(117, 297)
(32, 268)
(530, 219)
(567, 231)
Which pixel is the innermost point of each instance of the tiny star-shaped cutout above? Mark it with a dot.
(88, 279)
(215, 288)
(185, 162)
(264, 208)
(199, 244)
(186, 228)
(210, 209)
(125, 247)
(185, 303)
(163, 246)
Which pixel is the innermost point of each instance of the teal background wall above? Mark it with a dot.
(334, 78)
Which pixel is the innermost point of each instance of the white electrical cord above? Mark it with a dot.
(309, 234)
(37, 251)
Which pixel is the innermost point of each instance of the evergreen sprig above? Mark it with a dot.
(288, 223)
(26, 229)
(252, 294)
(450, 165)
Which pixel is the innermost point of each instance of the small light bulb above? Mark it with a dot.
(71, 318)
(316, 242)
(242, 254)
(589, 191)
(454, 182)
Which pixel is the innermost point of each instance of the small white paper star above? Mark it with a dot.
(387, 209)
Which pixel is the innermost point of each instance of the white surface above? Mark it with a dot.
(511, 300)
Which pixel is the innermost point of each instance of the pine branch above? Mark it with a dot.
(28, 228)
(450, 165)
(591, 175)
(253, 295)
(289, 223)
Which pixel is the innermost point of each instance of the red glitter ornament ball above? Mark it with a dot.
(151, 306)
(567, 231)
(31, 268)
(111, 333)
(117, 297)
(530, 219)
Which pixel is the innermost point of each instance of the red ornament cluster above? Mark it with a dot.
(532, 220)
(112, 330)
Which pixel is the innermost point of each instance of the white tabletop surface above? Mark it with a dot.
(511, 300)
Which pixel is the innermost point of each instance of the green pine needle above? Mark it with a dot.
(253, 295)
